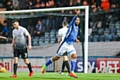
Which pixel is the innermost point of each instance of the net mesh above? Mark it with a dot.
(103, 46)
(104, 36)
(44, 45)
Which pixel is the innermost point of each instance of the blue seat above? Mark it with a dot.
(106, 31)
(53, 32)
(53, 40)
(35, 39)
(101, 38)
(41, 43)
(42, 38)
(108, 38)
(100, 31)
(95, 38)
(47, 40)
(115, 37)
(117, 25)
(47, 34)
(112, 24)
(56, 33)
(113, 30)
(90, 38)
(35, 43)
(52, 35)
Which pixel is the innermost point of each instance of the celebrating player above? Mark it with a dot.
(19, 47)
(67, 46)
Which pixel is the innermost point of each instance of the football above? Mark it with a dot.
(3, 70)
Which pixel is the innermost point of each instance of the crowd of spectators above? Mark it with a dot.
(99, 10)
(38, 4)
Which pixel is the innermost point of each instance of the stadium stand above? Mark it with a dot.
(101, 38)
(100, 31)
(90, 38)
(41, 40)
(102, 22)
(108, 38)
(95, 38)
(104, 28)
(35, 41)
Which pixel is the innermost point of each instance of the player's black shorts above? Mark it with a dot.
(22, 52)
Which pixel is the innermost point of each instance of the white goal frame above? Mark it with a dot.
(58, 9)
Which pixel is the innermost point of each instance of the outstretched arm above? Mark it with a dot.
(3, 38)
(74, 18)
(78, 13)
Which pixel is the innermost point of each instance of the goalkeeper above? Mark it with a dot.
(67, 45)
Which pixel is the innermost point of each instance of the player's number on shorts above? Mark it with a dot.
(25, 54)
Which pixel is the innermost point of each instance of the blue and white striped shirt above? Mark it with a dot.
(72, 32)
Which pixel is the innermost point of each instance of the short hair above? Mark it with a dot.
(39, 20)
(78, 17)
(15, 21)
(5, 21)
(65, 23)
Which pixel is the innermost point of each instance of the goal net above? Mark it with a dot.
(103, 45)
(45, 44)
(99, 35)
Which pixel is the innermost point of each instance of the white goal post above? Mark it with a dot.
(58, 9)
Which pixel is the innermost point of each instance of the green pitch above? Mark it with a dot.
(56, 76)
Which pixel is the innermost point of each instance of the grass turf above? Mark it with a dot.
(56, 76)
